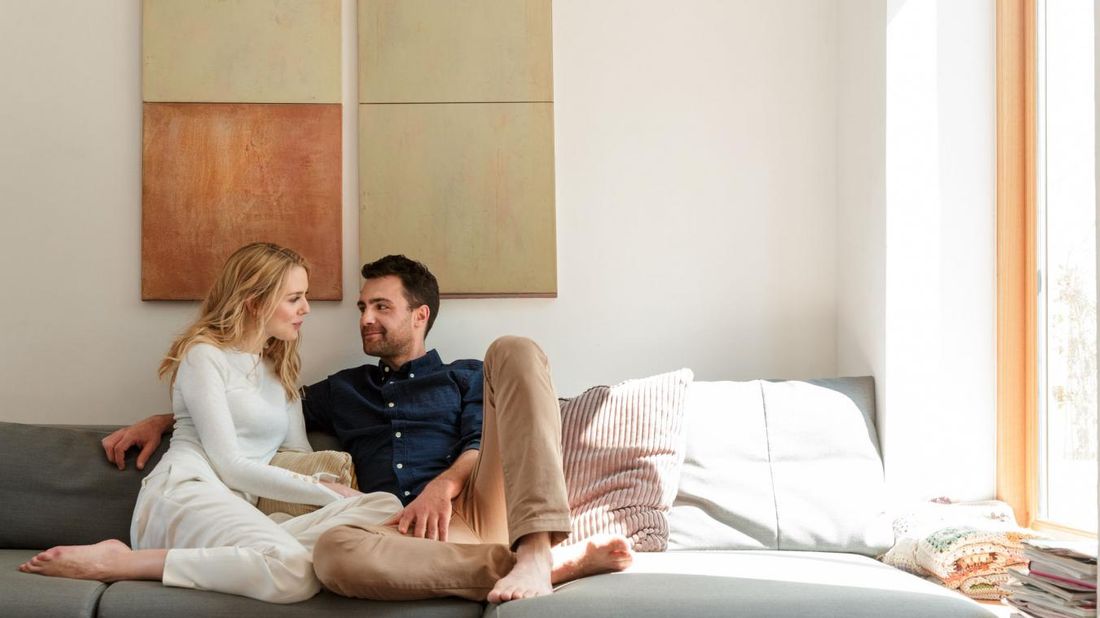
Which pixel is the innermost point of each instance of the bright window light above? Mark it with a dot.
(1067, 264)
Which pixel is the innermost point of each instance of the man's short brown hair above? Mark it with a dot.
(421, 287)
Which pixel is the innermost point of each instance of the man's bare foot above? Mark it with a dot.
(530, 577)
(103, 561)
(601, 554)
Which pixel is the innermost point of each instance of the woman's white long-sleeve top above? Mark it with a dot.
(231, 416)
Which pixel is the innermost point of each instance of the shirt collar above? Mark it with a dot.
(423, 365)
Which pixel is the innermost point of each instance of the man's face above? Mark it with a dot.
(386, 322)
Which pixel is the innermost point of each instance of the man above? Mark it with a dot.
(473, 451)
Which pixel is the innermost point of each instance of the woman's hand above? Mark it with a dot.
(343, 490)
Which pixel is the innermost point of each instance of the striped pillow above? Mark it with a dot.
(335, 466)
(622, 449)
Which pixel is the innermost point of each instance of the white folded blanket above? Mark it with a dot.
(966, 546)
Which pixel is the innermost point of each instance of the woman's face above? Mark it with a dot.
(292, 307)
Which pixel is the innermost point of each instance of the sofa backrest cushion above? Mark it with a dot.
(323, 441)
(725, 499)
(816, 471)
(830, 494)
(59, 489)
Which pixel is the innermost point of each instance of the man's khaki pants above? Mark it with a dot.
(517, 488)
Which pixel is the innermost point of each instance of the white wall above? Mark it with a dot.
(963, 400)
(696, 196)
(861, 195)
(916, 252)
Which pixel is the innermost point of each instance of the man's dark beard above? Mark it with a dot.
(383, 348)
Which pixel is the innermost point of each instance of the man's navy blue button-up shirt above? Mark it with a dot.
(404, 426)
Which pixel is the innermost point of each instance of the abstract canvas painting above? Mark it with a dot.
(241, 138)
(217, 176)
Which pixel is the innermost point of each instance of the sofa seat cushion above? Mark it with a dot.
(23, 595)
(144, 599)
(750, 584)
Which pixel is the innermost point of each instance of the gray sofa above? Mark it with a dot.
(778, 513)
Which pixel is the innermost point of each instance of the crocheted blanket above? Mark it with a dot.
(966, 546)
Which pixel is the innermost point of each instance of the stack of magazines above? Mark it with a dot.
(1060, 580)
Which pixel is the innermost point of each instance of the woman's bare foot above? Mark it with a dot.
(602, 554)
(530, 577)
(105, 561)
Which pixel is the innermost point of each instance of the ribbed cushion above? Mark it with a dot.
(622, 451)
(337, 464)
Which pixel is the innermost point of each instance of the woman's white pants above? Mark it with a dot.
(219, 541)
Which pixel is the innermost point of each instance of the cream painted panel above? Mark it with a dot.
(241, 51)
(455, 51)
(466, 188)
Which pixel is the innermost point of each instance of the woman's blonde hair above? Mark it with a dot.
(242, 299)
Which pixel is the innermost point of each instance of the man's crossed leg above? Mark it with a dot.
(511, 512)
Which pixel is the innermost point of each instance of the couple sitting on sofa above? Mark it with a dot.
(462, 462)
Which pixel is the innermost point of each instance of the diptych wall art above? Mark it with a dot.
(241, 138)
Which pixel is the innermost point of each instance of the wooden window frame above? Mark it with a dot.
(1017, 267)
(1017, 270)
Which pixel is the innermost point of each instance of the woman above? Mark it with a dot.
(234, 396)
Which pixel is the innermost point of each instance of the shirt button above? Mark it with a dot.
(386, 369)
(407, 493)
(412, 375)
(399, 466)
(397, 434)
(390, 404)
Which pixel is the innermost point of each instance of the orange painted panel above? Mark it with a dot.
(218, 176)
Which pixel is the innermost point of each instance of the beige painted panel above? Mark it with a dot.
(455, 50)
(466, 188)
(241, 51)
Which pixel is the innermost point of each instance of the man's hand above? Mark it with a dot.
(144, 434)
(429, 515)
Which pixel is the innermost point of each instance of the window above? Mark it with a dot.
(1066, 209)
(1047, 353)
